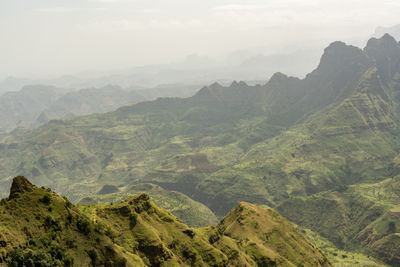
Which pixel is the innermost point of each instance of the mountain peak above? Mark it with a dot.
(340, 58)
(278, 76)
(338, 52)
(385, 51)
(267, 224)
(215, 85)
(385, 41)
(20, 185)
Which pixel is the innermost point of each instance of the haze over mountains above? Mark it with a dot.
(322, 150)
(392, 30)
(250, 65)
(35, 105)
(69, 95)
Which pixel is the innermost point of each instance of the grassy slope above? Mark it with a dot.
(348, 143)
(190, 212)
(51, 229)
(360, 216)
(339, 257)
(135, 232)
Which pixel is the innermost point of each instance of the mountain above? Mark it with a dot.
(23, 107)
(190, 212)
(35, 105)
(258, 63)
(392, 30)
(365, 215)
(90, 101)
(13, 84)
(168, 90)
(264, 144)
(38, 227)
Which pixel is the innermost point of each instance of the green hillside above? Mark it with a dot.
(365, 216)
(40, 228)
(190, 212)
(302, 139)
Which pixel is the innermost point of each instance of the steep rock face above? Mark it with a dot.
(386, 54)
(19, 186)
(340, 68)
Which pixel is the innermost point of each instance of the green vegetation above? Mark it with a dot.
(339, 257)
(184, 208)
(135, 232)
(319, 149)
(33, 235)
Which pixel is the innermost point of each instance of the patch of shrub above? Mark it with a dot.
(133, 220)
(121, 262)
(29, 257)
(46, 199)
(110, 233)
(391, 227)
(71, 243)
(48, 221)
(68, 261)
(68, 204)
(99, 228)
(189, 232)
(93, 255)
(57, 225)
(83, 226)
(69, 219)
(56, 251)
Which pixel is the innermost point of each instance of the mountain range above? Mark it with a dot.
(322, 150)
(35, 105)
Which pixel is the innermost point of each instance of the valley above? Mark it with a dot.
(323, 151)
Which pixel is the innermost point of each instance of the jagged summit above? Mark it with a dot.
(20, 185)
(236, 84)
(386, 39)
(215, 85)
(277, 77)
(385, 51)
(338, 55)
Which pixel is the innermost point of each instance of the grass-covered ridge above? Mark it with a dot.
(39, 227)
(190, 212)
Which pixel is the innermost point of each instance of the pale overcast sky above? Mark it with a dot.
(48, 37)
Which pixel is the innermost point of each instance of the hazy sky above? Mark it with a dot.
(46, 37)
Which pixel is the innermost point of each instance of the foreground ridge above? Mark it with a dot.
(39, 227)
